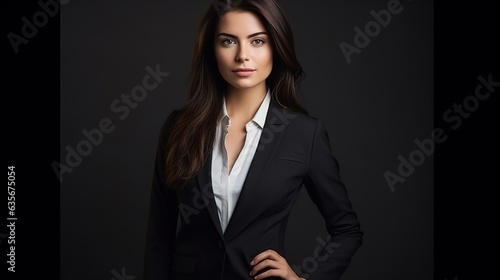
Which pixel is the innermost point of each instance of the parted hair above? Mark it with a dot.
(192, 134)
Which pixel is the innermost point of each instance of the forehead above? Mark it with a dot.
(240, 23)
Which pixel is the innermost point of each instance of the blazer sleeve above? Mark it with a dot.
(327, 191)
(163, 213)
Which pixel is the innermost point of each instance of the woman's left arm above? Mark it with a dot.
(327, 191)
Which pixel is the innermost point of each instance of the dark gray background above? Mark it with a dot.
(374, 108)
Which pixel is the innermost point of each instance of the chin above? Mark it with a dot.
(244, 84)
(240, 85)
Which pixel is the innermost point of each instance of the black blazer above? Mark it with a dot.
(293, 150)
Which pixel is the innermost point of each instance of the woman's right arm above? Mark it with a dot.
(163, 213)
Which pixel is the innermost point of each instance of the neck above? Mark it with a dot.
(244, 103)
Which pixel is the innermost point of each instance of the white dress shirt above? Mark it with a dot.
(227, 187)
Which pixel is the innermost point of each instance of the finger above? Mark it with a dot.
(271, 272)
(267, 254)
(265, 265)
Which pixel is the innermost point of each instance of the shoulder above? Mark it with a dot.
(314, 126)
(306, 119)
(302, 127)
(294, 120)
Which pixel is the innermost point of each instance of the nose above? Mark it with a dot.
(242, 54)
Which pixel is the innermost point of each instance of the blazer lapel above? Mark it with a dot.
(268, 142)
(205, 185)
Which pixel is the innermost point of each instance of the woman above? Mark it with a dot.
(231, 162)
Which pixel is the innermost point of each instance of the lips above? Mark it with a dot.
(243, 72)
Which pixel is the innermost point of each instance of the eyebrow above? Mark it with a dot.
(236, 37)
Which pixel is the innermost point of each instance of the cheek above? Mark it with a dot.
(267, 60)
(221, 57)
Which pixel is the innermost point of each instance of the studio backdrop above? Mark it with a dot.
(369, 78)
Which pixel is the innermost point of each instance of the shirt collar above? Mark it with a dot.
(260, 115)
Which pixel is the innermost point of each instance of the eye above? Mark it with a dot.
(259, 41)
(228, 41)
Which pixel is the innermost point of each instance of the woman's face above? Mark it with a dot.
(241, 41)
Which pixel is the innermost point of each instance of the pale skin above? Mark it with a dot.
(242, 41)
(233, 49)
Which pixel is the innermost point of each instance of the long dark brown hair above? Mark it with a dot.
(192, 135)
